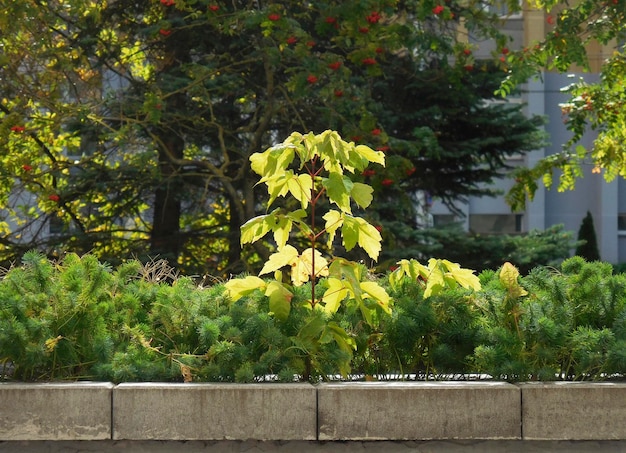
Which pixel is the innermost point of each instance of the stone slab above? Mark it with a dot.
(574, 411)
(233, 446)
(55, 411)
(214, 411)
(419, 411)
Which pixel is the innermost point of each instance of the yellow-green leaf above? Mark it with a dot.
(300, 187)
(280, 299)
(334, 220)
(336, 292)
(278, 185)
(255, 228)
(378, 293)
(362, 194)
(370, 155)
(239, 287)
(508, 278)
(435, 281)
(357, 231)
(272, 161)
(282, 229)
(284, 257)
(302, 267)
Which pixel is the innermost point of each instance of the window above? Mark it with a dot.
(495, 223)
(442, 220)
(501, 8)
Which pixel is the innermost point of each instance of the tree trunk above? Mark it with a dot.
(166, 239)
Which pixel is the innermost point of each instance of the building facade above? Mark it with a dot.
(605, 201)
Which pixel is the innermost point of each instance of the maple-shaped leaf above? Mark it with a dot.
(257, 227)
(338, 189)
(334, 221)
(411, 269)
(272, 161)
(446, 274)
(300, 187)
(286, 256)
(438, 275)
(278, 185)
(302, 268)
(362, 194)
(378, 293)
(464, 277)
(336, 292)
(280, 299)
(283, 225)
(435, 282)
(369, 155)
(356, 230)
(239, 287)
(308, 146)
(282, 229)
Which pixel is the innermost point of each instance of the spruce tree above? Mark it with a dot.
(587, 233)
(447, 139)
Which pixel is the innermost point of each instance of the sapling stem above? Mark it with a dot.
(314, 198)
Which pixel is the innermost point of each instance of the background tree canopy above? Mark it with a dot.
(126, 127)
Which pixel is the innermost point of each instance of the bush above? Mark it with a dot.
(482, 252)
(81, 319)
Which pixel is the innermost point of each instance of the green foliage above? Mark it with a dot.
(325, 162)
(573, 31)
(80, 319)
(588, 249)
(127, 127)
(564, 327)
(482, 252)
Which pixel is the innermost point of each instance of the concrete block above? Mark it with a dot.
(418, 411)
(55, 411)
(214, 411)
(573, 411)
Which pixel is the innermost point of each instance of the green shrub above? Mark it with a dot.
(80, 319)
(480, 252)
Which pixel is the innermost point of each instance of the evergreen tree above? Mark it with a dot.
(128, 126)
(448, 140)
(588, 249)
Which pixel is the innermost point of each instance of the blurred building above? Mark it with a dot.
(605, 201)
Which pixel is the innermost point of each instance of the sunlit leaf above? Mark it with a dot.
(378, 293)
(279, 299)
(356, 230)
(334, 221)
(377, 157)
(257, 227)
(300, 187)
(274, 160)
(336, 292)
(362, 194)
(240, 287)
(286, 256)
(310, 264)
(508, 277)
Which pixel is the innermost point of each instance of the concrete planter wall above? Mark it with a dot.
(357, 411)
